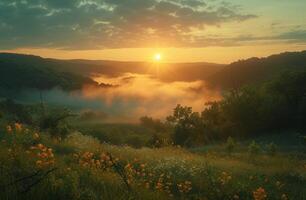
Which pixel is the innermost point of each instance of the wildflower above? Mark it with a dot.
(18, 126)
(284, 197)
(45, 155)
(36, 136)
(128, 166)
(184, 187)
(39, 163)
(260, 194)
(224, 178)
(9, 129)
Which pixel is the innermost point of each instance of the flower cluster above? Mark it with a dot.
(164, 184)
(89, 159)
(184, 187)
(17, 127)
(142, 176)
(260, 194)
(136, 170)
(224, 178)
(44, 155)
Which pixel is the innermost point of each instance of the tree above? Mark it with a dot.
(187, 125)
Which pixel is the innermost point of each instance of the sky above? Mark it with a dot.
(219, 31)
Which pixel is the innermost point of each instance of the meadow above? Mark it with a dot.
(36, 166)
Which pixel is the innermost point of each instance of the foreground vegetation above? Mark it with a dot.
(36, 166)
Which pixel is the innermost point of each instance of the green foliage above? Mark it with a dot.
(271, 149)
(154, 124)
(13, 111)
(55, 122)
(230, 145)
(188, 126)
(135, 141)
(254, 148)
(122, 134)
(257, 70)
(274, 105)
(159, 173)
(29, 72)
(158, 141)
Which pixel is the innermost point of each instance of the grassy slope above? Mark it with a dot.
(213, 174)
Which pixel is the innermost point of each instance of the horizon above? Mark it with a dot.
(148, 61)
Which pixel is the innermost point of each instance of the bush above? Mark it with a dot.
(271, 149)
(253, 148)
(230, 145)
(135, 141)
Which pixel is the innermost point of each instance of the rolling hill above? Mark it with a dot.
(32, 72)
(28, 71)
(256, 70)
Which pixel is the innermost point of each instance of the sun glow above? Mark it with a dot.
(157, 57)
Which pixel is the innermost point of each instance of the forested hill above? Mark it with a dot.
(24, 71)
(27, 71)
(256, 70)
(167, 71)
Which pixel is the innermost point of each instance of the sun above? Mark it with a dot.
(157, 57)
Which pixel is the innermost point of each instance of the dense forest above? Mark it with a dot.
(273, 106)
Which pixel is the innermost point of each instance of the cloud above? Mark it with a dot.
(98, 24)
(295, 36)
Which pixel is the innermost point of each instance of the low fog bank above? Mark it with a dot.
(130, 97)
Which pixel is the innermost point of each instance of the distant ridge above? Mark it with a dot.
(72, 74)
(167, 71)
(19, 72)
(255, 70)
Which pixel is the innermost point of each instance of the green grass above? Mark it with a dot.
(130, 134)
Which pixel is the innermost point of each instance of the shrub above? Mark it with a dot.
(271, 149)
(135, 141)
(253, 148)
(230, 145)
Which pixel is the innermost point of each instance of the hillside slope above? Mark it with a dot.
(256, 70)
(23, 71)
